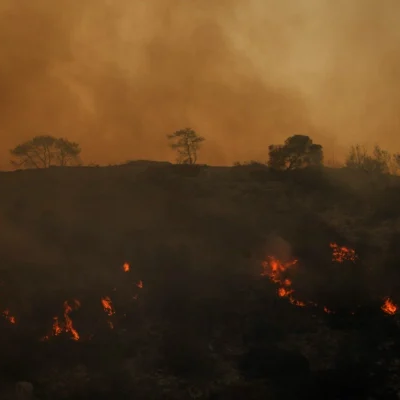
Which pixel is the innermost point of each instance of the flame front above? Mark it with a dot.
(342, 253)
(65, 324)
(275, 270)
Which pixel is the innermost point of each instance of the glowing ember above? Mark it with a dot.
(107, 306)
(126, 267)
(341, 253)
(295, 302)
(8, 317)
(389, 307)
(140, 285)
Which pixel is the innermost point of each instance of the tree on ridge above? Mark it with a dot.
(186, 142)
(45, 151)
(298, 151)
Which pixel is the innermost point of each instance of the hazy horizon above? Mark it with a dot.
(118, 76)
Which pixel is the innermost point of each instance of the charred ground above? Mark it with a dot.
(193, 317)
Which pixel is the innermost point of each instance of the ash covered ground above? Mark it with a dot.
(166, 282)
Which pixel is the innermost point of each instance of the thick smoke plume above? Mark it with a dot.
(117, 76)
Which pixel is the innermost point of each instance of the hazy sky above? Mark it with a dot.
(118, 75)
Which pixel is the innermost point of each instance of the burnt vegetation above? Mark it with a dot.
(274, 279)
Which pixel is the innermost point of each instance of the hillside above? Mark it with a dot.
(192, 315)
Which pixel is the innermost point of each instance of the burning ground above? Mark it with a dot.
(156, 281)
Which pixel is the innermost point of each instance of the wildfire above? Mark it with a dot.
(65, 324)
(126, 267)
(389, 307)
(275, 270)
(342, 253)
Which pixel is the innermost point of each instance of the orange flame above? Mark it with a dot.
(68, 326)
(342, 253)
(273, 268)
(282, 292)
(107, 305)
(126, 267)
(56, 327)
(108, 309)
(389, 307)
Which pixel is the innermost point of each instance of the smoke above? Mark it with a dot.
(279, 248)
(118, 76)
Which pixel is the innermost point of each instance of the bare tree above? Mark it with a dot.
(379, 162)
(45, 151)
(383, 158)
(186, 142)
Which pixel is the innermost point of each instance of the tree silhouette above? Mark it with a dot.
(298, 151)
(45, 151)
(186, 142)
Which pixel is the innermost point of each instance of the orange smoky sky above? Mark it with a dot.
(117, 76)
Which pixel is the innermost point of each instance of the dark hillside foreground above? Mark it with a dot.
(159, 281)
